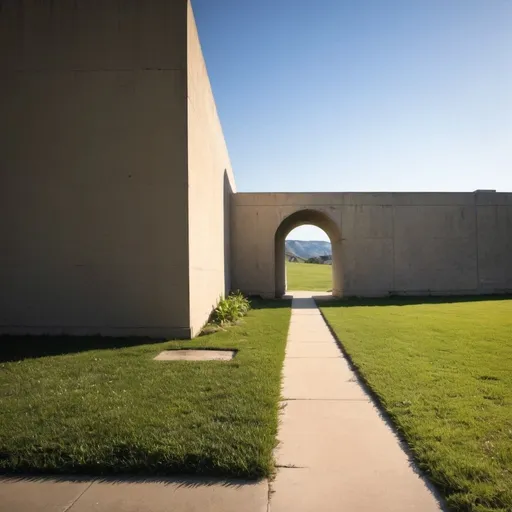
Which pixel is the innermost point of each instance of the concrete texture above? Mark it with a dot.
(319, 378)
(312, 349)
(115, 179)
(93, 168)
(306, 490)
(132, 495)
(187, 495)
(335, 451)
(32, 495)
(211, 186)
(383, 243)
(119, 208)
(195, 355)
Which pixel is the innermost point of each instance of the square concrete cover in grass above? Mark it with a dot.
(196, 355)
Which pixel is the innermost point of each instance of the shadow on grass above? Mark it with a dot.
(17, 348)
(332, 302)
(258, 303)
(180, 481)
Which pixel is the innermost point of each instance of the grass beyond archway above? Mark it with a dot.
(309, 276)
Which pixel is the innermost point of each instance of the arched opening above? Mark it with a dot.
(308, 259)
(325, 223)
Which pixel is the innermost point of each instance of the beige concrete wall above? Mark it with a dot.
(211, 186)
(93, 163)
(404, 243)
(494, 225)
(116, 190)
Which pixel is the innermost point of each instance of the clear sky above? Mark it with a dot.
(362, 95)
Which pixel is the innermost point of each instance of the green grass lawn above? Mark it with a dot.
(102, 405)
(443, 371)
(308, 276)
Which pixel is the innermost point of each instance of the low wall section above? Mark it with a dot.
(392, 243)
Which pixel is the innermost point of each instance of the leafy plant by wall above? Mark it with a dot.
(230, 309)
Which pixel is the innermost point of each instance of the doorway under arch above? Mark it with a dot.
(320, 220)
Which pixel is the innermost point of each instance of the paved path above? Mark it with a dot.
(336, 453)
(131, 495)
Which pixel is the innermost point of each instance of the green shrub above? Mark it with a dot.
(230, 309)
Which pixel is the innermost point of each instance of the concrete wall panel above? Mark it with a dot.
(253, 249)
(245, 262)
(435, 249)
(93, 169)
(495, 247)
(366, 221)
(211, 185)
(434, 221)
(92, 35)
(424, 266)
(367, 266)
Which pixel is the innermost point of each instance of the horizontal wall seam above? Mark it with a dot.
(90, 327)
(81, 70)
(338, 205)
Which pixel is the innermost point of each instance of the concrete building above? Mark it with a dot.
(117, 199)
(115, 178)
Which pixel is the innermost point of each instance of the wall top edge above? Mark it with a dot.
(305, 199)
(372, 193)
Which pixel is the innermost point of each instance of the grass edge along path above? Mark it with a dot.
(441, 369)
(104, 406)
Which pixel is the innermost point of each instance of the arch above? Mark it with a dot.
(320, 220)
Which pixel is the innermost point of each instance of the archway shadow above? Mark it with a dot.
(304, 303)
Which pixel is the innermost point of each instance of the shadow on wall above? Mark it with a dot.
(330, 302)
(227, 195)
(17, 348)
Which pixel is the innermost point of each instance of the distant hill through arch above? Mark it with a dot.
(304, 249)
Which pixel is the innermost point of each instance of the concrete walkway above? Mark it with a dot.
(131, 495)
(336, 453)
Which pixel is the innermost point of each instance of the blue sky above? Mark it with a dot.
(362, 95)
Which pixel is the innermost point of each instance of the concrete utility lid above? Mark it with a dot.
(196, 355)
